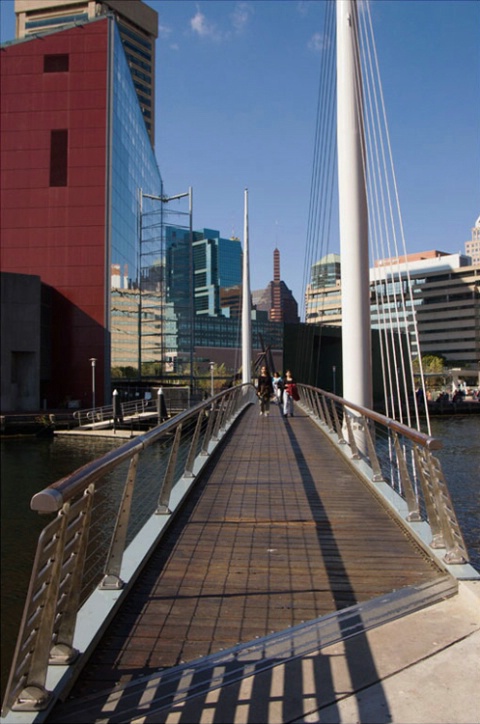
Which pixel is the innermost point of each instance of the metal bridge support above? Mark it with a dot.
(164, 497)
(111, 579)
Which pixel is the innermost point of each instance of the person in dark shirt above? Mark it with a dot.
(264, 391)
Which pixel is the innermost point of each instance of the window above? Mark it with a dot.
(58, 157)
(55, 63)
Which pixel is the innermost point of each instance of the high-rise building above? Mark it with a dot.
(276, 299)
(442, 288)
(136, 21)
(217, 264)
(472, 247)
(323, 298)
(73, 160)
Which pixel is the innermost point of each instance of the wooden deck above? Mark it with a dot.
(278, 531)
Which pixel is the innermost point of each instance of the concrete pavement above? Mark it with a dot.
(423, 668)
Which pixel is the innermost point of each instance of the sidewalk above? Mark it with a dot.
(420, 669)
(429, 664)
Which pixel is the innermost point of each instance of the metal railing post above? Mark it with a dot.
(328, 419)
(351, 435)
(188, 472)
(372, 454)
(111, 578)
(208, 433)
(26, 691)
(338, 426)
(321, 408)
(80, 513)
(164, 497)
(407, 487)
(443, 522)
(218, 420)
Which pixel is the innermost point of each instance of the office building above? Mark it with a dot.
(323, 297)
(73, 160)
(472, 247)
(217, 265)
(442, 288)
(136, 22)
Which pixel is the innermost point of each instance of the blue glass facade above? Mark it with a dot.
(134, 244)
(217, 264)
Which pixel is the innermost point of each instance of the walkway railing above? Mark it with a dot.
(398, 456)
(89, 549)
(110, 514)
(106, 413)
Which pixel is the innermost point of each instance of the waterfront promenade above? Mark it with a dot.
(284, 590)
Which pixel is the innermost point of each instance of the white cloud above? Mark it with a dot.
(302, 7)
(239, 19)
(164, 31)
(241, 15)
(318, 42)
(205, 29)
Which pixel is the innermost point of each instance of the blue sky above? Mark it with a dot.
(236, 98)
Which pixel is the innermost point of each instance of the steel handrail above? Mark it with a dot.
(409, 468)
(59, 583)
(432, 443)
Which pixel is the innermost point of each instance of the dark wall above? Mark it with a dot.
(312, 352)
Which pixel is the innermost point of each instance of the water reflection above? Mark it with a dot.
(460, 459)
(29, 464)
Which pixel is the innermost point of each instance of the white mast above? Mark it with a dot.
(356, 345)
(246, 304)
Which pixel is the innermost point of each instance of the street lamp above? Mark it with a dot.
(212, 364)
(93, 360)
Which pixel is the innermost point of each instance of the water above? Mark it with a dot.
(460, 459)
(30, 464)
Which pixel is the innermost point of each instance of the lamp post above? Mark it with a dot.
(212, 364)
(93, 360)
(334, 370)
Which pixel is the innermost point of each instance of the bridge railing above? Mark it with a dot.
(105, 413)
(104, 520)
(397, 455)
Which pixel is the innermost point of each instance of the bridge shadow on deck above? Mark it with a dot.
(273, 537)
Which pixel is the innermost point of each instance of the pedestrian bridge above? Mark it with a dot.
(221, 543)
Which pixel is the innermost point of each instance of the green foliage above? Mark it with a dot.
(430, 363)
(433, 363)
(124, 372)
(219, 377)
(151, 369)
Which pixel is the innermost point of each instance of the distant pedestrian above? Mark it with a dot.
(290, 393)
(264, 391)
(277, 383)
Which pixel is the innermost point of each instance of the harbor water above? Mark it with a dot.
(30, 464)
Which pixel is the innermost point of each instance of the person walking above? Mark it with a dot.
(290, 394)
(264, 391)
(277, 383)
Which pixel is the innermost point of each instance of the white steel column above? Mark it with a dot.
(246, 304)
(356, 355)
